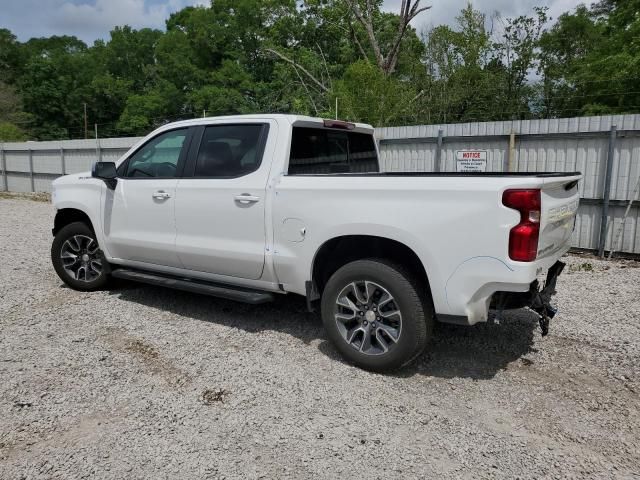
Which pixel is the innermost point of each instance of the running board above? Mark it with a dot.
(229, 292)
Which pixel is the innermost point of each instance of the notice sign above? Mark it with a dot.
(471, 161)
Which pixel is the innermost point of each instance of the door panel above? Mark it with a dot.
(217, 233)
(139, 215)
(139, 221)
(220, 212)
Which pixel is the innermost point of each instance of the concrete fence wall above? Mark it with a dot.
(605, 149)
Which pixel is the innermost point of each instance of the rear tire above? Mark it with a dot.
(77, 258)
(376, 314)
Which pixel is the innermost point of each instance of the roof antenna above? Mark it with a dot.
(336, 107)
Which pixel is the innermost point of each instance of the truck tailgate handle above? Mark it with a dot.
(246, 198)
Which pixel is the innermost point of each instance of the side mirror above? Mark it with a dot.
(105, 171)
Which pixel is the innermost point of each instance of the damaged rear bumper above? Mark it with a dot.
(537, 298)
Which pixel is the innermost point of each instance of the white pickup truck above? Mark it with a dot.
(248, 207)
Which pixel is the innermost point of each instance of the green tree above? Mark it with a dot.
(518, 55)
(12, 119)
(53, 85)
(11, 58)
(337, 39)
(130, 55)
(366, 94)
(11, 106)
(465, 77)
(11, 133)
(242, 56)
(146, 111)
(590, 61)
(229, 90)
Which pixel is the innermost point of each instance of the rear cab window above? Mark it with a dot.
(324, 151)
(230, 151)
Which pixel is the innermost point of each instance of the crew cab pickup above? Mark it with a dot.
(251, 207)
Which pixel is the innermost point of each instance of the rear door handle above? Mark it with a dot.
(161, 195)
(245, 198)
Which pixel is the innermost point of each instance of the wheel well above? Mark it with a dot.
(341, 250)
(70, 215)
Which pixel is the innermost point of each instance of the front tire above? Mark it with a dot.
(77, 258)
(376, 314)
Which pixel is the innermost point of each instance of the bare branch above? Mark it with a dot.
(369, 8)
(307, 90)
(407, 13)
(367, 23)
(298, 66)
(404, 8)
(354, 35)
(417, 12)
(326, 66)
(409, 9)
(351, 31)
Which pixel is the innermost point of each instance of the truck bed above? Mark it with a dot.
(444, 174)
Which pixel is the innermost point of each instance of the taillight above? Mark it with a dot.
(523, 238)
(339, 124)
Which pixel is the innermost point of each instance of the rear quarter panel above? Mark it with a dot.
(446, 221)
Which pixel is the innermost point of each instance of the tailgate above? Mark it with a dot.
(560, 200)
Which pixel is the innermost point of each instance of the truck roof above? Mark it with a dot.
(293, 119)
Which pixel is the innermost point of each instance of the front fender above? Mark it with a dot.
(83, 193)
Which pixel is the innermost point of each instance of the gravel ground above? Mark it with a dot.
(143, 382)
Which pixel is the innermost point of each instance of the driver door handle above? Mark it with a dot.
(161, 195)
(246, 198)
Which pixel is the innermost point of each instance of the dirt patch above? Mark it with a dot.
(156, 364)
(146, 351)
(213, 396)
(36, 197)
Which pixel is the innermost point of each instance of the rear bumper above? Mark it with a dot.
(515, 286)
(535, 298)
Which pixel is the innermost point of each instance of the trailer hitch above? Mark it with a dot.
(541, 303)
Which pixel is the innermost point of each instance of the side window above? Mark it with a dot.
(159, 157)
(309, 152)
(338, 150)
(228, 151)
(322, 151)
(363, 156)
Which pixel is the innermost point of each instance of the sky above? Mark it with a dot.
(93, 19)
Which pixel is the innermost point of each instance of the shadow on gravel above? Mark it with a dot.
(477, 352)
(288, 314)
